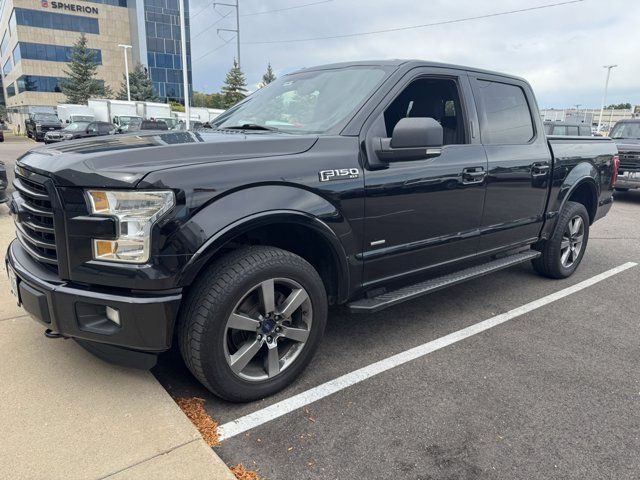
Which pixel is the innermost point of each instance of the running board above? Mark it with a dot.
(388, 299)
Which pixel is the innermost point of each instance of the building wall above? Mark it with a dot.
(113, 24)
(144, 21)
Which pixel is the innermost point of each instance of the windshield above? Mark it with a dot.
(305, 102)
(45, 117)
(76, 126)
(626, 130)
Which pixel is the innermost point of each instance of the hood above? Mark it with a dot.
(121, 161)
(628, 144)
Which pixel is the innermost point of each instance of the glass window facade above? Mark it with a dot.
(51, 53)
(7, 67)
(162, 23)
(113, 3)
(5, 43)
(56, 21)
(38, 83)
(12, 23)
(11, 90)
(17, 56)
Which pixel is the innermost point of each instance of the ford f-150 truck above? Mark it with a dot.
(365, 184)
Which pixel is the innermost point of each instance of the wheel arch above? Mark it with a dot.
(318, 233)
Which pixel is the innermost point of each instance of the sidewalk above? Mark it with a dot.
(68, 415)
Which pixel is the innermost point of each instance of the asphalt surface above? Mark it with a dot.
(554, 393)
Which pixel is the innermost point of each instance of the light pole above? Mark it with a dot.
(185, 73)
(578, 105)
(604, 97)
(126, 68)
(237, 29)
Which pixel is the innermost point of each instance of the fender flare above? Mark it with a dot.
(302, 208)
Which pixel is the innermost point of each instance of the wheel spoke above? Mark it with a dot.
(565, 256)
(243, 356)
(273, 361)
(293, 301)
(566, 243)
(578, 238)
(295, 334)
(267, 297)
(238, 321)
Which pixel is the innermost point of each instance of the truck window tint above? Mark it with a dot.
(572, 130)
(560, 130)
(507, 118)
(429, 97)
(585, 131)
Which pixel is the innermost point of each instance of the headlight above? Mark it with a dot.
(67, 136)
(135, 211)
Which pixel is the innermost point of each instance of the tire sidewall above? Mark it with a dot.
(213, 360)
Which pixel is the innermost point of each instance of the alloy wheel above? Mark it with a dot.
(268, 329)
(572, 240)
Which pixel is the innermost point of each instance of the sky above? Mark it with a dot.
(560, 50)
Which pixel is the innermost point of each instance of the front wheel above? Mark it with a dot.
(252, 322)
(563, 251)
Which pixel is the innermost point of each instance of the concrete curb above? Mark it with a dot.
(67, 415)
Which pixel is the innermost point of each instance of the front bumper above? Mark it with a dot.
(628, 180)
(79, 312)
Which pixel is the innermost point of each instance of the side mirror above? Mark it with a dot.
(412, 139)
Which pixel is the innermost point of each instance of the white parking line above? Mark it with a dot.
(264, 415)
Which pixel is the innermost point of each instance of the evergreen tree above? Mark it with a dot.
(81, 84)
(140, 85)
(234, 88)
(269, 76)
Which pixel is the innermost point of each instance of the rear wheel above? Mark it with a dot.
(563, 252)
(252, 322)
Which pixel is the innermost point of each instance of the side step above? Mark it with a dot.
(388, 299)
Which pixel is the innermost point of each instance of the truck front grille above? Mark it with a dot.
(630, 162)
(34, 223)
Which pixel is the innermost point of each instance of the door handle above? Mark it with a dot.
(540, 169)
(473, 175)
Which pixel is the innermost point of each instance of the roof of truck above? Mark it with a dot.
(407, 64)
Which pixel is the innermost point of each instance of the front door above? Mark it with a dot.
(424, 213)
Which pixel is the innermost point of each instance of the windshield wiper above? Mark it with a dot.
(250, 126)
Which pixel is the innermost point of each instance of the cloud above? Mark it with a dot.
(559, 50)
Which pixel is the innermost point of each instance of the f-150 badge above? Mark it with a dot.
(338, 174)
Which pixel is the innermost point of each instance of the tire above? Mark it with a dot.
(552, 262)
(235, 287)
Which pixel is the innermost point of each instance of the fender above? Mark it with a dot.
(243, 210)
(582, 173)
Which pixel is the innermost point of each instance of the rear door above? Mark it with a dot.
(426, 212)
(519, 162)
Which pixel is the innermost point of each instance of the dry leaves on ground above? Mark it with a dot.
(207, 426)
(242, 473)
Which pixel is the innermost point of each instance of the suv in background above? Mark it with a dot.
(38, 124)
(567, 129)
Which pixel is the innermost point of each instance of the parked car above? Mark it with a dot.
(2, 134)
(80, 130)
(3, 183)
(38, 124)
(626, 134)
(382, 182)
(565, 128)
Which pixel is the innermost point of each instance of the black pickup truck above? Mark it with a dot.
(364, 184)
(38, 124)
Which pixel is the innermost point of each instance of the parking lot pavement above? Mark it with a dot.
(552, 393)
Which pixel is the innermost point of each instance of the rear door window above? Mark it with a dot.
(572, 130)
(506, 114)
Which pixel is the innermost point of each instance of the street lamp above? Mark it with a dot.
(604, 97)
(126, 69)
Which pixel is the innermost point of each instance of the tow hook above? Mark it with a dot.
(51, 334)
